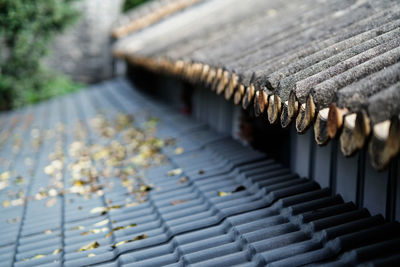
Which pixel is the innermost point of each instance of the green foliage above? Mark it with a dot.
(26, 30)
(129, 4)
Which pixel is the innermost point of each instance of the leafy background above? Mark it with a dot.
(27, 29)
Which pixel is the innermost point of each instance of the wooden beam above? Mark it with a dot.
(321, 127)
(230, 89)
(385, 142)
(260, 102)
(248, 97)
(335, 119)
(223, 82)
(306, 115)
(239, 94)
(356, 129)
(274, 108)
(216, 80)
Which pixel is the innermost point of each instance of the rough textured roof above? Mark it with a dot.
(109, 177)
(314, 63)
(147, 14)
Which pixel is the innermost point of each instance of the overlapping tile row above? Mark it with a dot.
(147, 14)
(213, 202)
(332, 65)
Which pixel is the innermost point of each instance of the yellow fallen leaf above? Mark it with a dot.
(139, 237)
(174, 172)
(95, 231)
(104, 210)
(89, 246)
(101, 223)
(130, 204)
(146, 188)
(120, 228)
(91, 255)
(78, 227)
(37, 256)
(178, 150)
(5, 175)
(13, 220)
(48, 231)
(6, 203)
(57, 251)
(223, 194)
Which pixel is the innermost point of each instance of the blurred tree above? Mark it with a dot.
(26, 30)
(129, 4)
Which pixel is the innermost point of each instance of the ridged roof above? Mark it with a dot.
(333, 65)
(147, 14)
(81, 186)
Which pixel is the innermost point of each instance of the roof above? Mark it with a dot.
(107, 176)
(146, 14)
(330, 65)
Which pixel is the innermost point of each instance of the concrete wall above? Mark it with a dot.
(83, 51)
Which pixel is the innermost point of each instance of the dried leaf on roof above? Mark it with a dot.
(178, 150)
(174, 172)
(139, 237)
(120, 228)
(89, 246)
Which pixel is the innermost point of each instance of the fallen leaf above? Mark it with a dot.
(101, 223)
(174, 172)
(48, 231)
(5, 175)
(13, 220)
(139, 237)
(89, 246)
(51, 202)
(91, 255)
(104, 210)
(146, 188)
(37, 256)
(178, 150)
(95, 231)
(184, 179)
(177, 202)
(6, 203)
(239, 188)
(120, 228)
(78, 227)
(201, 172)
(57, 251)
(130, 204)
(223, 194)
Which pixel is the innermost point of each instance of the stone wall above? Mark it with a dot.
(84, 50)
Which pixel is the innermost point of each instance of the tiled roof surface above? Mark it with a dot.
(147, 14)
(296, 61)
(74, 193)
